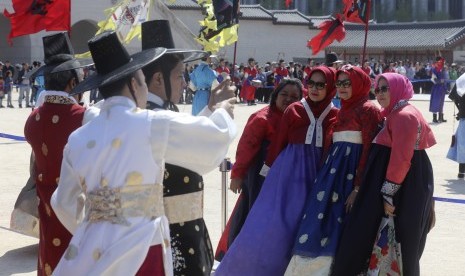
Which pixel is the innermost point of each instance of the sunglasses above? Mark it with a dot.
(317, 85)
(343, 83)
(381, 90)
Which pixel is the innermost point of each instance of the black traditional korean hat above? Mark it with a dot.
(58, 56)
(113, 62)
(157, 33)
(332, 58)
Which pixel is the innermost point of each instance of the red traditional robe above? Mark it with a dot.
(47, 130)
(280, 73)
(247, 89)
(261, 126)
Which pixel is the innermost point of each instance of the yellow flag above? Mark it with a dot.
(125, 18)
(221, 38)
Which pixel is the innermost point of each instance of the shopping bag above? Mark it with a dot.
(386, 257)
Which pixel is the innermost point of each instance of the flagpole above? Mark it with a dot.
(69, 31)
(365, 44)
(366, 32)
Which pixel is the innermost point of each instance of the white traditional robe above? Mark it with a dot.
(110, 153)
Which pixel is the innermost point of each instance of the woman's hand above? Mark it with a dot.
(389, 209)
(236, 185)
(351, 199)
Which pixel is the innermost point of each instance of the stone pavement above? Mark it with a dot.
(443, 255)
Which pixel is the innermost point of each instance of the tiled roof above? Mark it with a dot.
(255, 12)
(317, 20)
(182, 4)
(293, 17)
(399, 36)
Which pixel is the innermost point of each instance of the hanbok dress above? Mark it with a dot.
(47, 130)
(398, 157)
(250, 157)
(322, 220)
(263, 247)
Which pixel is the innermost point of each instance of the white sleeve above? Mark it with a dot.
(197, 143)
(90, 113)
(206, 112)
(68, 199)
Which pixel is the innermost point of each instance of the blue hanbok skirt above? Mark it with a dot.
(322, 221)
(263, 247)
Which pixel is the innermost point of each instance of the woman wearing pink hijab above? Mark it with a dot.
(398, 183)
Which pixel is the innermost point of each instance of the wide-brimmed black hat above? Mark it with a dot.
(332, 58)
(113, 62)
(58, 56)
(157, 33)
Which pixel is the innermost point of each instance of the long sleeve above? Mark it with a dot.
(68, 199)
(370, 119)
(281, 138)
(404, 132)
(208, 144)
(255, 132)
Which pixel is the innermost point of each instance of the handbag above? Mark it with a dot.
(386, 257)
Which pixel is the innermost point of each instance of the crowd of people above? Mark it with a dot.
(329, 183)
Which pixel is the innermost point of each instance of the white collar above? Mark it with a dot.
(155, 99)
(118, 100)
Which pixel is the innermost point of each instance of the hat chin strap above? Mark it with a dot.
(133, 93)
(168, 104)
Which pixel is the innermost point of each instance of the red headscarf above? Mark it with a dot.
(319, 107)
(361, 85)
(400, 88)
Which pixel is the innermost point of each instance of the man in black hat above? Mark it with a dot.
(333, 61)
(47, 130)
(187, 227)
(110, 194)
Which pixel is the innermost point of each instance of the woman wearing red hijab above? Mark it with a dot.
(399, 184)
(263, 247)
(337, 183)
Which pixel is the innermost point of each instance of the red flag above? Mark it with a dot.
(32, 16)
(288, 3)
(330, 30)
(357, 11)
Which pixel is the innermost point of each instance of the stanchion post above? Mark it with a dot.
(225, 167)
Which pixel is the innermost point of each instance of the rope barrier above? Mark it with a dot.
(13, 137)
(450, 200)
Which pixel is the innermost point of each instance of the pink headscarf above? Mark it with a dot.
(400, 88)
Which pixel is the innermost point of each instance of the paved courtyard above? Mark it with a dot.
(445, 248)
